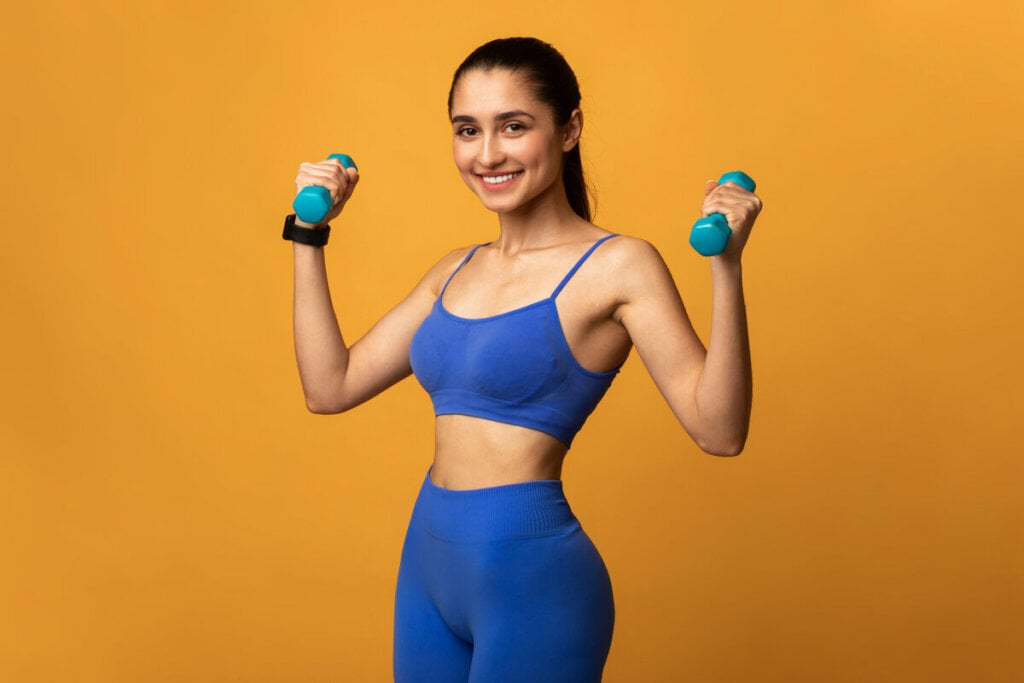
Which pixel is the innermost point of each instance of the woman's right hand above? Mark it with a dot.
(332, 176)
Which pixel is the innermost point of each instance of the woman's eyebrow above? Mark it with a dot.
(504, 116)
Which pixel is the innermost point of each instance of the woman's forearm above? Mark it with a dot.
(725, 387)
(319, 346)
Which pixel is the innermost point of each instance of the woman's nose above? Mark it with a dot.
(491, 152)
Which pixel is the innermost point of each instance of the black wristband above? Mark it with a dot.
(311, 236)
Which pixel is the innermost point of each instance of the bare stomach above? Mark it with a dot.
(472, 453)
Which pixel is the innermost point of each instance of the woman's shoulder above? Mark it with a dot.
(443, 268)
(628, 267)
(629, 251)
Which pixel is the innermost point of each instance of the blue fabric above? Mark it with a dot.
(500, 585)
(515, 367)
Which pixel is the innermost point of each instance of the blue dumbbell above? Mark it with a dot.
(711, 233)
(313, 203)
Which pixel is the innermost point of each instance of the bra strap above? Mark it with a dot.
(579, 263)
(464, 262)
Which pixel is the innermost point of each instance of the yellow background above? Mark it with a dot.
(169, 511)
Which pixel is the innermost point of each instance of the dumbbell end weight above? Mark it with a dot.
(347, 161)
(740, 178)
(710, 235)
(313, 203)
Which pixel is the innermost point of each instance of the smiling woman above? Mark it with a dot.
(516, 341)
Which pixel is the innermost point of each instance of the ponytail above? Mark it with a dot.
(575, 184)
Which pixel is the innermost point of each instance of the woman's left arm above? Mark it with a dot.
(709, 390)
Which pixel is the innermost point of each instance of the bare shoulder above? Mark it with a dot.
(633, 263)
(630, 251)
(436, 276)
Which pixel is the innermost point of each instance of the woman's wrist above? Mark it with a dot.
(726, 265)
(309, 226)
(316, 237)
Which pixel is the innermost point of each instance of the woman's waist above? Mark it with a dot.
(527, 509)
(493, 481)
(472, 452)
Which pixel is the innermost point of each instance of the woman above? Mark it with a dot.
(516, 341)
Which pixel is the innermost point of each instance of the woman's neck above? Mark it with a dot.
(545, 221)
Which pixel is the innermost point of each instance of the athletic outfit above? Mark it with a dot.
(501, 584)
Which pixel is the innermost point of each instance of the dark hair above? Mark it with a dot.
(554, 83)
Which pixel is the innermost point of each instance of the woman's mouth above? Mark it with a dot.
(500, 181)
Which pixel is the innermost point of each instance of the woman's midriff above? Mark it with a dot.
(471, 452)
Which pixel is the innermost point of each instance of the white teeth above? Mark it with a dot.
(494, 180)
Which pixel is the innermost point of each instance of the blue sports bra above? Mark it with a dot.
(514, 367)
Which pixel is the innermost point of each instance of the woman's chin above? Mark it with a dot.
(498, 204)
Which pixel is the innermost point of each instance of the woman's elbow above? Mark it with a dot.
(727, 447)
(321, 406)
(728, 452)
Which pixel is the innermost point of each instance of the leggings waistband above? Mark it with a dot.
(525, 510)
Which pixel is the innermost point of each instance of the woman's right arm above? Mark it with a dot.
(336, 377)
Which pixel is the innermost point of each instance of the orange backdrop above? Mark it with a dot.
(169, 511)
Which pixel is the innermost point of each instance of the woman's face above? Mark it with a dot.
(506, 143)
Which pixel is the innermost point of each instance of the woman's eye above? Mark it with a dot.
(466, 131)
(515, 127)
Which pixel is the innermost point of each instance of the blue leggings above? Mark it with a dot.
(500, 584)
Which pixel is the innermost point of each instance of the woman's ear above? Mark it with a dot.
(573, 130)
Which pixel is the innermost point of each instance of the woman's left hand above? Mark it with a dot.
(740, 209)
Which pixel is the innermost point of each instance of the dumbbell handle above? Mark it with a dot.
(710, 234)
(313, 203)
